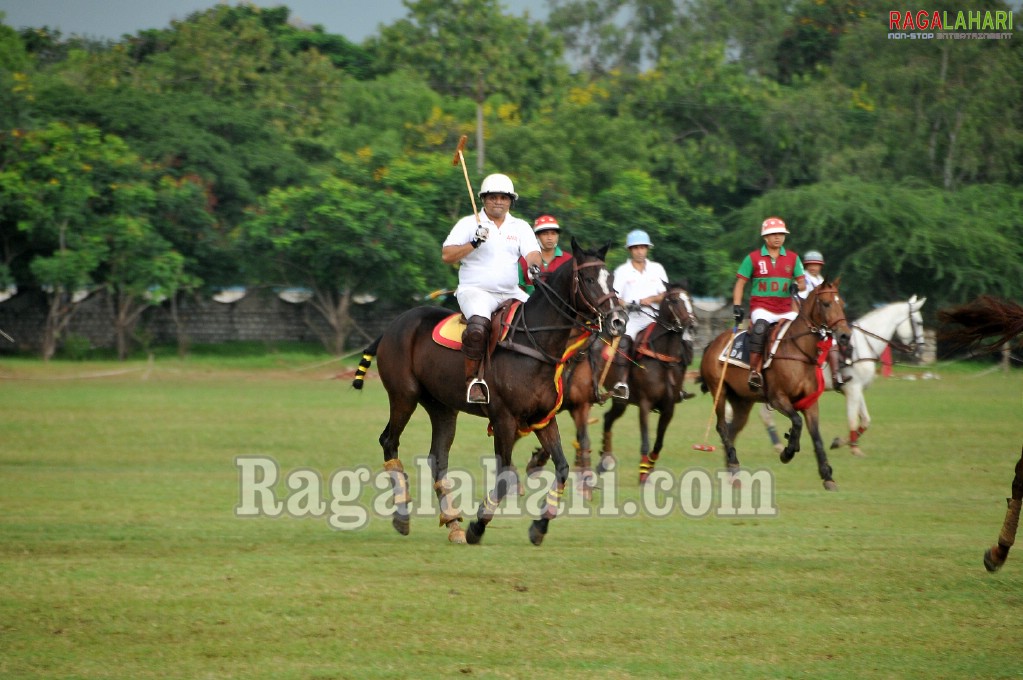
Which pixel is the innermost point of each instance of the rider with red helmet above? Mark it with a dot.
(771, 271)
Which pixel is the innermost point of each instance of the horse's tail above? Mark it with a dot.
(367, 359)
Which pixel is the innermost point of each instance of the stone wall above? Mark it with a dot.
(259, 316)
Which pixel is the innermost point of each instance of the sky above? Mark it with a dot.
(354, 19)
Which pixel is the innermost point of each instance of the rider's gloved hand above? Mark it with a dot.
(534, 272)
(482, 234)
(738, 313)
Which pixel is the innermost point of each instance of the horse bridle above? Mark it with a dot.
(568, 310)
(822, 328)
(897, 345)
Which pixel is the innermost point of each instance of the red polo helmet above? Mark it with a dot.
(545, 223)
(773, 225)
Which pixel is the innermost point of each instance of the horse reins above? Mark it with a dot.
(566, 309)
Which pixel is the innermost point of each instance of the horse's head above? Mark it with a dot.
(824, 313)
(676, 310)
(911, 331)
(594, 296)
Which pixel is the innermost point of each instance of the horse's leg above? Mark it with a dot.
(856, 416)
(550, 438)
(727, 429)
(504, 440)
(768, 420)
(996, 555)
(646, 460)
(667, 413)
(783, 405)
(812, 416)
(443, 421)
(607, 456)
(581, 417)
(401, 410)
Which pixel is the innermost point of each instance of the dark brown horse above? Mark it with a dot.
(792, 380)
(987, 324)
(655, 384)
(523, 374)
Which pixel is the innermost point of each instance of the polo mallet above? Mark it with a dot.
(717, 394)
(459, 158)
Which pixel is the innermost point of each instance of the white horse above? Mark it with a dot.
(871, 333)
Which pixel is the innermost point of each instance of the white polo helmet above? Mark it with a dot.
(813, 257)
(638, 237)
(498, 184)
(773, 225)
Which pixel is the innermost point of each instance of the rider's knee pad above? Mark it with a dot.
(474, 338)
(758, 335)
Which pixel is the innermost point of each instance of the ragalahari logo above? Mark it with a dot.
(944, 25)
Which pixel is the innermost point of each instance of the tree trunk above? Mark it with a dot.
(179, 328)
(336, 312)
(61, 308)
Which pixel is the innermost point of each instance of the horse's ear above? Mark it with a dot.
(603, 251)
(919, 303)
(575, 248)
(837, 281)
(912, 300)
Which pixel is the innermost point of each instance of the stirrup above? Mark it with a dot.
(483, 392)
(620, 391)
(755, 382)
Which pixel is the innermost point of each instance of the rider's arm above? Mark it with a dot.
(740, 286)
(453, 254)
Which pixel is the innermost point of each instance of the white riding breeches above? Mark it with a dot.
(479, 302)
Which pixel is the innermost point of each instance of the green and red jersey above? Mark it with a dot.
(771, 279)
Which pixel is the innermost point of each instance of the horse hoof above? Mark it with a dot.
(857, 451)
(457, 536)
(642, 478)
(990, 563)
(474, 534)
(400, 524)
(836, 442)
(606, 464)
(536, 533)
(786, 456)
(829, 485)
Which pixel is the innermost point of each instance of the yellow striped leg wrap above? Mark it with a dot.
(399, 480)
(1008, 534)
(646, 465)
(554, 501)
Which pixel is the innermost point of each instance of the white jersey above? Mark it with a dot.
(632, 285)
(811, 283)
(490, 274)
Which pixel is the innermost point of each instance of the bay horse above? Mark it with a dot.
(979, 321)
(899, 324)
(523, 371)
(663, 352)
(793, 379)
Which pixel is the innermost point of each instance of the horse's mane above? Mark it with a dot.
(984, 317)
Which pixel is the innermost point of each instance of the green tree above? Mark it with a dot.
(470, 48)
(363, 234)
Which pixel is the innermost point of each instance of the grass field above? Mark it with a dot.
(122, 557)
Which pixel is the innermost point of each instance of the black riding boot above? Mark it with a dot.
(622, 359)
(757, 338)
(837, 381)
(474, 347)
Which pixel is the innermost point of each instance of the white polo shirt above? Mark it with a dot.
(632, 285)
(494, 266)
